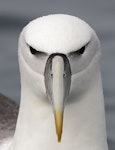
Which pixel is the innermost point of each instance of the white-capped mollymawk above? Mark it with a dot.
(61, 88)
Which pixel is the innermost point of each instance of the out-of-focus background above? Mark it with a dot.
(100, 14)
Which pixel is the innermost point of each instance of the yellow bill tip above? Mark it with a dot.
(59, 123)
(59, 138)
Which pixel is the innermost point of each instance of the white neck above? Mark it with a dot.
(84, 120)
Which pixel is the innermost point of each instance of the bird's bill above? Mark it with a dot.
(57, 87)
(58, 93)
(58, 114)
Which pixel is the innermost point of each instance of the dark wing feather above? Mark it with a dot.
(8, 117)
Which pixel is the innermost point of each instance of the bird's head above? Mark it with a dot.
(56, 48)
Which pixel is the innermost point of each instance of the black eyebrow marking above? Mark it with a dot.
(79, 51)
(36, 52)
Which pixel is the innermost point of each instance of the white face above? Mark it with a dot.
(58, 34)
(54, 48)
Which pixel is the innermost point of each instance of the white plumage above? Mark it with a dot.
(69, 41)
(57, 33)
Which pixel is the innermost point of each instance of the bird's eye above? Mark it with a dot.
(81, 50)
(33, 51)
(78, 52)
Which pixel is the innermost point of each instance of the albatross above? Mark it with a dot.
(62, 104)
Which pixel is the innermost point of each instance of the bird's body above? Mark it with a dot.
(64, 52)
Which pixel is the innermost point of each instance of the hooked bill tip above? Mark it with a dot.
(59, 137)
(59, 123)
